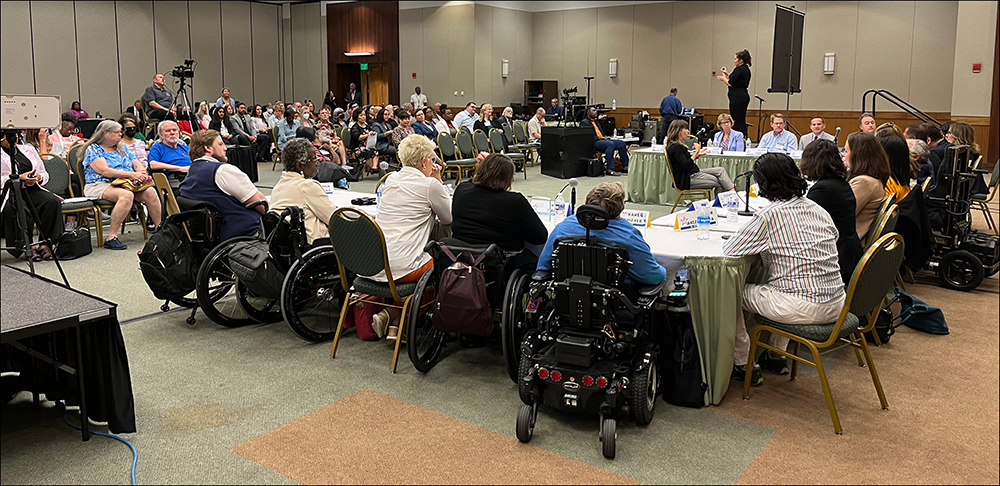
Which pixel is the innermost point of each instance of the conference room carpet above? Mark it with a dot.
(258, 405)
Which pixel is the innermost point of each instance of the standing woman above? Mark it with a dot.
(738, 82)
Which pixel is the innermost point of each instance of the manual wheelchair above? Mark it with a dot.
(273, 276)
(587, 346)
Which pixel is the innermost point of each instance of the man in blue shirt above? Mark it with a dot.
(169, 155)
(555, 110)
(467, 118)
(670, 110)
(778, 139)
(610, 196)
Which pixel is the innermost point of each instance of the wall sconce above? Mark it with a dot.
(613, 68)
(504, 68)
(356, 54)
(828, 61)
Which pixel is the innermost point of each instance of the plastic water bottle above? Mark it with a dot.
(378, 197)
(558, 209)
(732, 208)
(614, 104)
(704, 220)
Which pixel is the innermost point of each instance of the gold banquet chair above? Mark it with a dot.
(872, 279)
(693, 194)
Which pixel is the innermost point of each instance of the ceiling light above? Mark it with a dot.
(356, 54)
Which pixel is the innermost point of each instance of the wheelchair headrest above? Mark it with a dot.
(592, 217)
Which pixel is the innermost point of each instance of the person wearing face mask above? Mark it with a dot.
(298, 188)
(169, 155)
(129, 132)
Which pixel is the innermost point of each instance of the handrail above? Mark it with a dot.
(896, 100)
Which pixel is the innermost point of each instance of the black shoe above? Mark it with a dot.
(740, 373)
(778, 366)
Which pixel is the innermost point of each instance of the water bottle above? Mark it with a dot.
(614, 104)
(704, 220)
(733, 208)
(378, 197)
(558, 209)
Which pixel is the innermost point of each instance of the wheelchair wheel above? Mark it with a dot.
(260, 309)
(643, 400)
(423, 342)
(524, 388)
(216, 287)
(525, 423)
(312, 296)
(961, 270)
(609, 433)
(512, 325)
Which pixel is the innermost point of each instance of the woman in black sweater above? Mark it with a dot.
(739, 97)
(485, 211)
(822, 164)
(685, 171)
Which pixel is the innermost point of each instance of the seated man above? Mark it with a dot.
(610, 196)
(212, 180)
(817, 126)
(242, 125)
(535, 125)
(778, 139)
(867, 123)
(798, 241)
(169, 154)
(554, 110)
(606, 144)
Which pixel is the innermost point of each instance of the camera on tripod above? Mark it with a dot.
(185, 70)
(568, 91)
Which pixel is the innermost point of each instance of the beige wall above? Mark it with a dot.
(308, 48)
(460, 48)
(908, 48)
(105, 53)
(976, 26)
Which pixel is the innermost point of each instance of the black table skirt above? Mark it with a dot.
(108, 382)
(244, 157)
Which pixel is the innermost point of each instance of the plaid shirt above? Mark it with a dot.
(797, 241)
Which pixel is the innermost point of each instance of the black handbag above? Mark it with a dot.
(74, 244)
(595, 167)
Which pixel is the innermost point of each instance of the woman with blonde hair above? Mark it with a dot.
(106, 159)
(727, 138)
(411, 200)
(485, 121)
(961, 133)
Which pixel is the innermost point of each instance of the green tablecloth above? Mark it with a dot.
(649, 176)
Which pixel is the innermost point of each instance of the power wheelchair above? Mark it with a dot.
(425, 342)
(587, 345)
(273, 276)
(961, 256)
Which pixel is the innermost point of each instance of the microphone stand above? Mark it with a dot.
(572, 201)
(746, 211)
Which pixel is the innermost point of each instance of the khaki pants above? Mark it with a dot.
(783, 308)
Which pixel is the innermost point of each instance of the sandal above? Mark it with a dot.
(36, 254)
(47, 254)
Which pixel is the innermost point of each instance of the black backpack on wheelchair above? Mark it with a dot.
(261, 264)
(588, 347)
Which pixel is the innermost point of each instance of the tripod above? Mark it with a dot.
(184, 108)
(24, 209)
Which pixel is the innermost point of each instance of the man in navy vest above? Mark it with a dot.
(210, 179)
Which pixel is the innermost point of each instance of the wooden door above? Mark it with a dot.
(378, 84)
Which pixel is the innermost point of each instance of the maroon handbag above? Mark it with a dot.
(462, 304)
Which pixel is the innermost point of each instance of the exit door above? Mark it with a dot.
(376, 84)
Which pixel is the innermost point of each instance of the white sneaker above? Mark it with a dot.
(69, 227)
(105, 217)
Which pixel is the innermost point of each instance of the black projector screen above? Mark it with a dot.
(786, 62)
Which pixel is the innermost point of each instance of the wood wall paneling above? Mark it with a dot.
(97, 50)
(18, 73)
(53, 31)
(362, 27)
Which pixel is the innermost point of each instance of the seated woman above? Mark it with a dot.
(383, 132)
(682, 162)
(726, 138)
(222, 124)
(64, 138)
(798, 241)
(485, 121)
(287, 127)
(298, 188)
(403, 129)
(821, 163)
(48, 206)
(130, 132)
(107, 159)
(644, 270)
(485, 211)
(329, 168)
(77, 111)
(411, 199)
(902, 166)
(868, 171)
(921, 155)
(422, 127)
(360, 132)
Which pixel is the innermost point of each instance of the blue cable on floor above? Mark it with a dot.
(135, 454)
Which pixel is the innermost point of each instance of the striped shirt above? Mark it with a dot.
(797, 241)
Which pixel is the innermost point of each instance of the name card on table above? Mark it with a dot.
(542, 206)
(328, 187)
(636, 217)
(688, 220)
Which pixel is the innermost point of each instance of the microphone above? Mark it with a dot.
(573, 182)
(762, 100)
(746, 209)
(836, 136)
(747, 173)
(701, 131)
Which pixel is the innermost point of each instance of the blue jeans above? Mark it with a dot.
(609, 147)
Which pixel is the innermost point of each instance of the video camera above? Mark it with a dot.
(567, 91)
(185, 70)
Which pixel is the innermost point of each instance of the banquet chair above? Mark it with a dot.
(697, 192)
(59, 184)
(872, 279)
(277, 151)
(76, 155)
(522, 142)
(456, 165)
(497, 144)
(980, 201)
(360, 247)
(886, 204)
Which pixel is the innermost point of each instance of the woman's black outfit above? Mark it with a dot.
(47, 205)
(383, 140)
(235, 139)
(358, 151)
(739, 98)
(682, 165)
(482, 216)
(328, 101)
(835, 196)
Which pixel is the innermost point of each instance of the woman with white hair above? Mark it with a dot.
(107, 159)
(411, 199)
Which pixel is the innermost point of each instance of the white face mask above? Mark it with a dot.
(270, 110)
